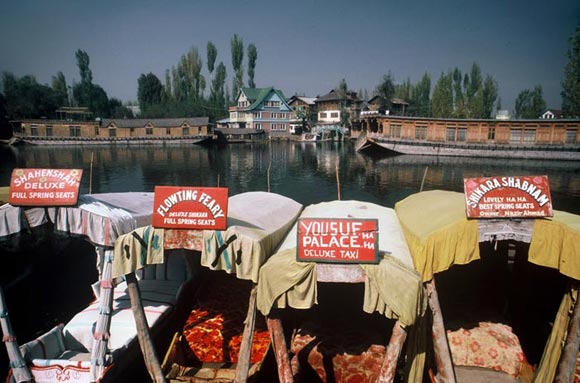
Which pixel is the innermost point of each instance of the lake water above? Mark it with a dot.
(306, 172)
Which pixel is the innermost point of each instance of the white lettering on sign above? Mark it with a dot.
(191, 195)
(511, 182)
(56, 173)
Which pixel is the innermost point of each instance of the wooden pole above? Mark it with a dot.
(143, 334)
(91, 174)
(568, 359)
(424, 176)
(338, 181)
(445, 372)
(245, 355)
(280, 350)
(268, 175)
(392, 353)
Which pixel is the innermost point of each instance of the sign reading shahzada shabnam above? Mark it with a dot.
(44, 187)
(338, 240)
(187, 207)
(508, 197)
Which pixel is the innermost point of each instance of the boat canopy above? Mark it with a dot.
(256, 223)
(392, 287)
(99, 217)
(448, 238)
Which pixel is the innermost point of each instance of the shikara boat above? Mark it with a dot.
(60, 354)
(316, 340)
(214, 341)
(494, 311)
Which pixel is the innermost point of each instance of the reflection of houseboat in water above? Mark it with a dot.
(324, 133)
(542, 138)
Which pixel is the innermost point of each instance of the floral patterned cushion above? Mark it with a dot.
(490, 345)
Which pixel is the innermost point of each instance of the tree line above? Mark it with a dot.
(186, 92)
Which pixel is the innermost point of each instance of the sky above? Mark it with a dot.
(304, 47)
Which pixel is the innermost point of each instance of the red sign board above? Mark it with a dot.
(190, 208)
(338, 240)
(508, 197)
(44, 187)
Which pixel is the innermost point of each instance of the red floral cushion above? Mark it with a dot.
(214, 329)
(491, 345)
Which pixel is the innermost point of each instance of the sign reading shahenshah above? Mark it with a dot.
(44, 187)
(508, 197)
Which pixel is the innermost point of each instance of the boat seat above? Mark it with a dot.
(159, 285)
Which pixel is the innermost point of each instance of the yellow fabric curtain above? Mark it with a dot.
(556, 243)
(437, 230)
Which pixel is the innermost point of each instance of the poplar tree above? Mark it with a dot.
(252, 57)
(571, 83)
(60, 89)
(211, 57)
(442, 104)
(237, 49)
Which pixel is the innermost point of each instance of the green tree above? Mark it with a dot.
(237, 49)
(86, 93)
(5, 128)
(421, 102)
(458, 90)
(530, 104)
(26, 98)
(118, 110)
(489, 94)
(211, 53)
(217, 96)
(149, 92)
(386, 90)
(252, 57)
(571, 83)
(342, 91)
(442, 104)
(60, 89)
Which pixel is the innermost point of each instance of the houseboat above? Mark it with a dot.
(556, 139)
(115, 131)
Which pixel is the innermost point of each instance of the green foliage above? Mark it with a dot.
(237, 49)
(442, 104)
(571, 83)
(252, 57)
(60, 89)
(26, 98)
(211, 56)
(149, 91)
(83, 64)
(530, 104)
(386, 89)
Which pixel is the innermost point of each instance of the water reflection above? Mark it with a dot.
(305, 172)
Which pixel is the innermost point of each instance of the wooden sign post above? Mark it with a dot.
(338, 240)
(190, 208)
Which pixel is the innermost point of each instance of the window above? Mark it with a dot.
(33, 130)
(258, 126)
(243, 104)
(321, 115)
(278, 126)
(112, 132)
(421, 132)
(461, 134)
(74, 131)
(334, 115)
(515, 136)
(491, 133)
(529, 136)
(571, 136)
(272, 104)
(450, 134)
(395, 131)
(49, 132)
(149, 131)
(168, 131)
(96, 130)
(185, 131)
(257, 114)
